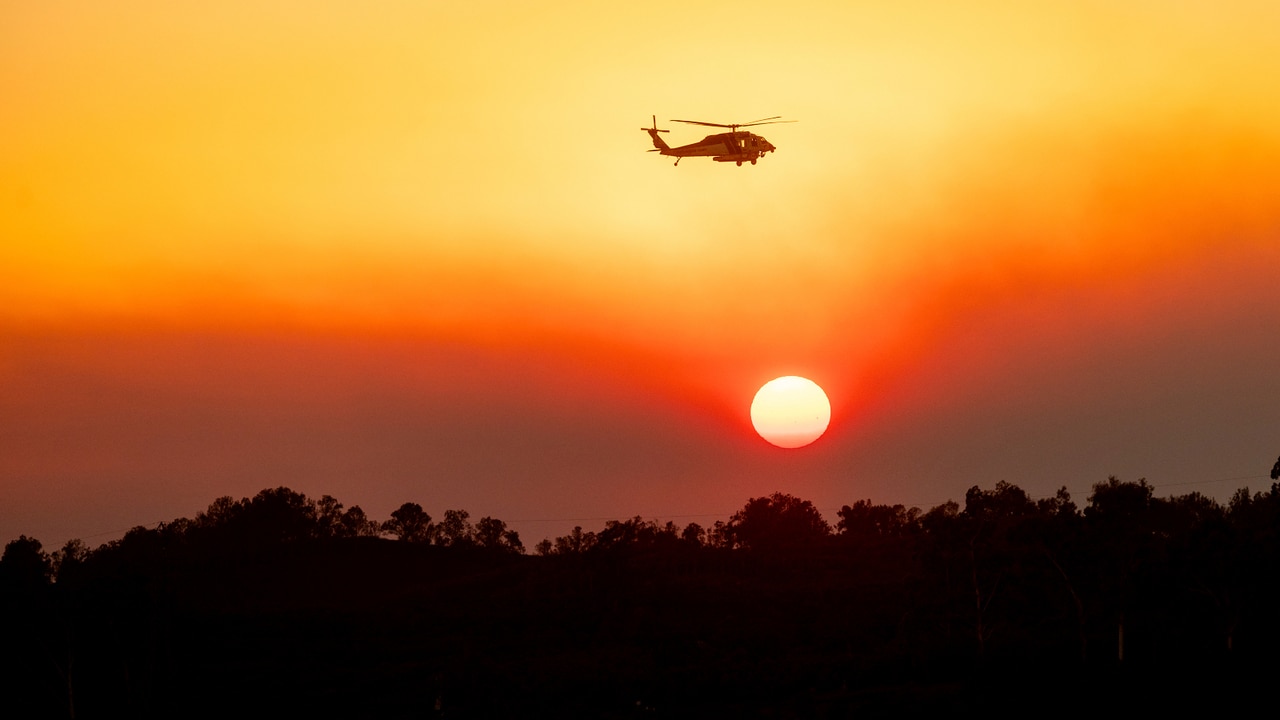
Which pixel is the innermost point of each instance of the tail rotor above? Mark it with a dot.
(658, 143)
(655, 126)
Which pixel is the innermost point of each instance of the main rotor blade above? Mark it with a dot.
(766, 122)
(734, 126)
(698, 122)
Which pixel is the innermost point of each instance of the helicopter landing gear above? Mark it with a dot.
(753, 161)
(739, 163)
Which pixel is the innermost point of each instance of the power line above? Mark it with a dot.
(1211, 482)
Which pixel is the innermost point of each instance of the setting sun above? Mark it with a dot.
(790, 412)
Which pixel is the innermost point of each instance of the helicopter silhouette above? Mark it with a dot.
(733, 146)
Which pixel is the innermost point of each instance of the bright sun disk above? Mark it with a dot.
(790, 411)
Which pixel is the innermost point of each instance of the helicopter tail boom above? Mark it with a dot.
(658, 143)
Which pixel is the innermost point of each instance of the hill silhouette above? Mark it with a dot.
(1001, 604)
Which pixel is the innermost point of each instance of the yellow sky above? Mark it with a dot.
(477, 170)
(245, 241)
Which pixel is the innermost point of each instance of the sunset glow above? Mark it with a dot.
(423, 253)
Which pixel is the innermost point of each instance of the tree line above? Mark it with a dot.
(272, 516)
(315, 606)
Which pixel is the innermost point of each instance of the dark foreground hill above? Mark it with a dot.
(1002, 607)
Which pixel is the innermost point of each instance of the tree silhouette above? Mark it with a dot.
(68, 559)
(333, 521)
(33, 668)
(1120, 520)
(762, 609)
(281, 514)
(409, 523)
(329, 517)
(1116, 504)
(576, 542)
(272, 516)
(221, 512)
(355, 523)
(1058, 537)
(1203, 545)
(943, 558)
(996, 554)
(777, 522)
(455, 529)
(694, 535)
(25, 564)
(868, 525)
(493, 533)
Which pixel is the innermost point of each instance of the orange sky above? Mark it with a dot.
(973, 193)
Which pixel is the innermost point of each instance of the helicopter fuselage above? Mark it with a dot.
(725, 147)
(736, 146)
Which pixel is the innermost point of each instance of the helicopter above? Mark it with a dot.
(733, 146)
